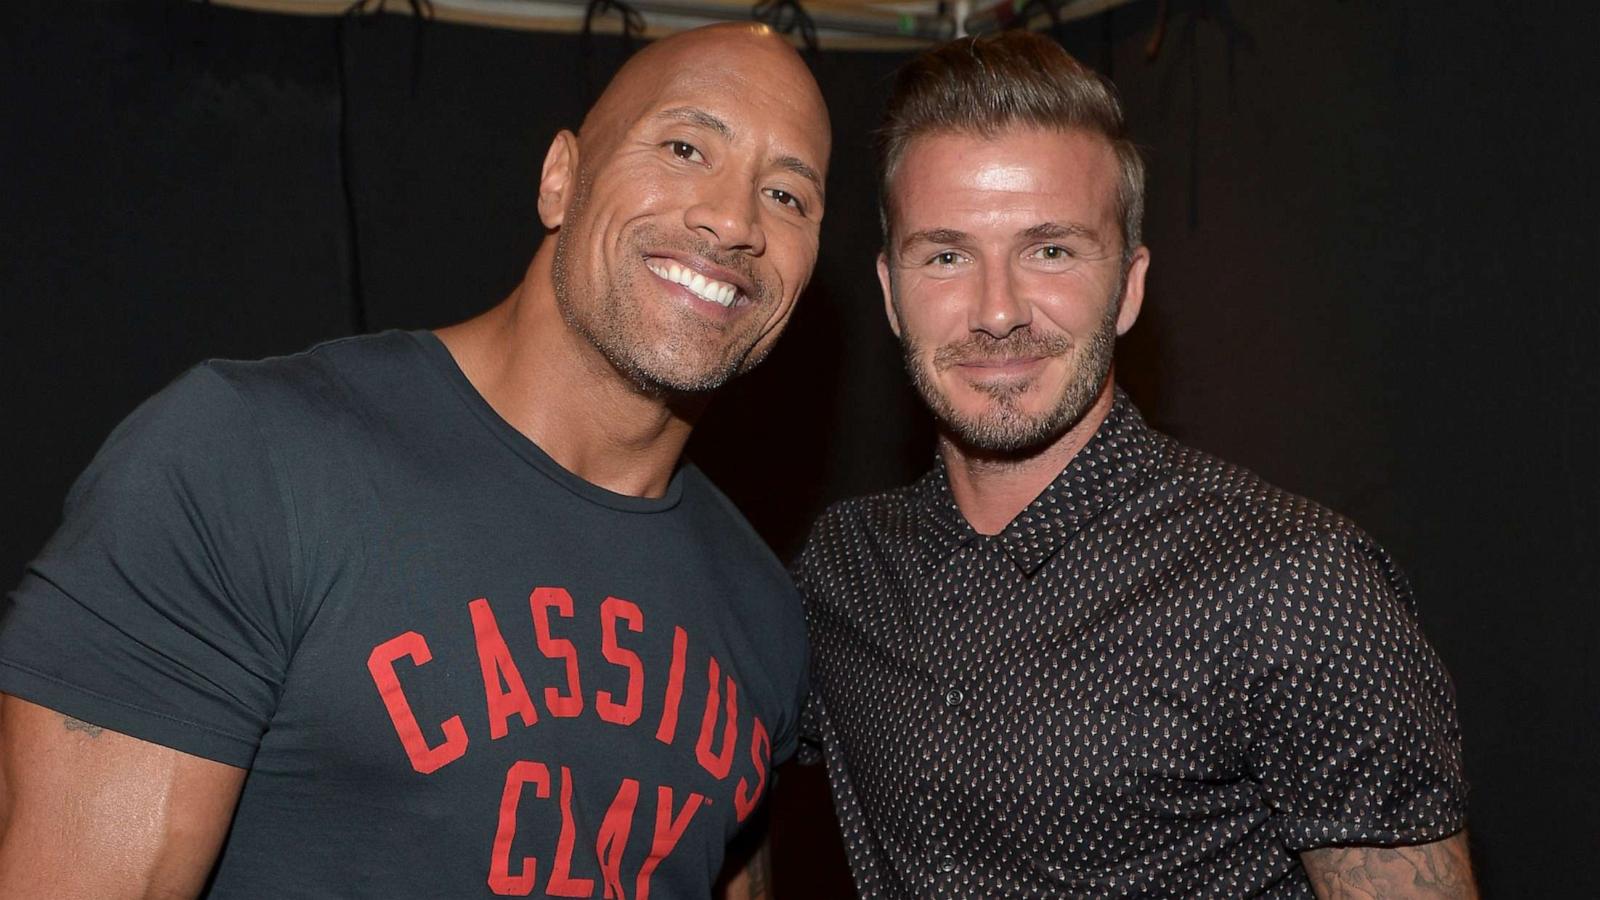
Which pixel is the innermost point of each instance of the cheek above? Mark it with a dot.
(794, 256)
(933, 309)
(1077, 306)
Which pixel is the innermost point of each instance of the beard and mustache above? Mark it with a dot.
(1003, 427)
(685, 356)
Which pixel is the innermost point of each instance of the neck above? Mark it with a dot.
(549, 383)
(991, 489)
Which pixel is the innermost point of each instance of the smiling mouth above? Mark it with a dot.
(708, 289)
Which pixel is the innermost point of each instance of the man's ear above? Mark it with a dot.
(557, 179)
(1133, 290)
(888, 294)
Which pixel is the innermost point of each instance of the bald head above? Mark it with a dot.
(687, 209)
(749, 54)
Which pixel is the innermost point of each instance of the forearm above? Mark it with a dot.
(1441, 870)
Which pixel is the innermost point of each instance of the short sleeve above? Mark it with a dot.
(809, 751)
(160, 608)
(1353, 729)
(811, 718)
(787, 738)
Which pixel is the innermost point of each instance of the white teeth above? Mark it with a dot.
(707, 289)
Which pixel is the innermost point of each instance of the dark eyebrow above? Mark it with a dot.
(693, 116)
(1048, 231)
(934, 236)
(798, 166)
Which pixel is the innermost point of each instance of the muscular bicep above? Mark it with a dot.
(1437, 870)
(86, 812)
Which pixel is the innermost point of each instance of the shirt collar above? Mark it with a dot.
(1116, 459)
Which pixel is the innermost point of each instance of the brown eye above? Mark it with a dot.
(684, 150)
(787, 199)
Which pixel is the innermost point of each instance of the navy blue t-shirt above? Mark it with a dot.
(452, 668)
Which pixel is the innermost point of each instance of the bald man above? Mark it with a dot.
(441, 614)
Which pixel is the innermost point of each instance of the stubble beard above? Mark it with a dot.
(687, 359)
(1003, 427)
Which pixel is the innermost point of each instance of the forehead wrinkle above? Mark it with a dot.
(691, 115)
(695, 116)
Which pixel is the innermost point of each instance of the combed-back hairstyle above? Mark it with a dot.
(985, 85)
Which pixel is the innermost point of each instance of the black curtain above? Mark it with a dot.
(1375, 281)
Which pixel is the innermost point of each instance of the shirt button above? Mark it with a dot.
(947, 865)
(953, 697)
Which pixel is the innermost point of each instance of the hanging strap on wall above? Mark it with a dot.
(788, 17)
(632, 19)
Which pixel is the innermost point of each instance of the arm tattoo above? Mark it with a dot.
(1437, 870)
(82, 726)
(760, 870)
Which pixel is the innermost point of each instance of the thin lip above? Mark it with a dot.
(700, 265)
(1006, 363)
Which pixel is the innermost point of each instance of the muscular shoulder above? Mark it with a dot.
(336, 383)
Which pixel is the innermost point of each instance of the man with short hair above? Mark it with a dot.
(1078, 659)
(441, 614)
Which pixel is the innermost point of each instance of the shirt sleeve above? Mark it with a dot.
(1352, 717)
(160, 608)
(809, 749)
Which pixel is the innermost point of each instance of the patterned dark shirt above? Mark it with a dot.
(1164, 678)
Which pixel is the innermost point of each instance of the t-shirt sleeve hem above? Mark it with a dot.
(192, 738)
(1300, 834)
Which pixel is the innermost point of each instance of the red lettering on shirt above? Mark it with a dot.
(720, 762)
(744, 800)
(506, 695)
(669, 828)
(668, 729)
(380, 663)
(613, 839)
(562, 884)
(626, 713)
(542, 600)
(501, 881)
(494, 660)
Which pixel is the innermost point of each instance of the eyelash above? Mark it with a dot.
(939, 259)
(783, 197)
(793, 202)
(674, 145)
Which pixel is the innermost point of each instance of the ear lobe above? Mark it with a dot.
(557, 178)
(1133, 290)
(888, 295)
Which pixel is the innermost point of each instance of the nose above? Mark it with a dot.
(1000, 309)
(728, 212)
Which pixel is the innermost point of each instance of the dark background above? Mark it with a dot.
(1376, 278)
